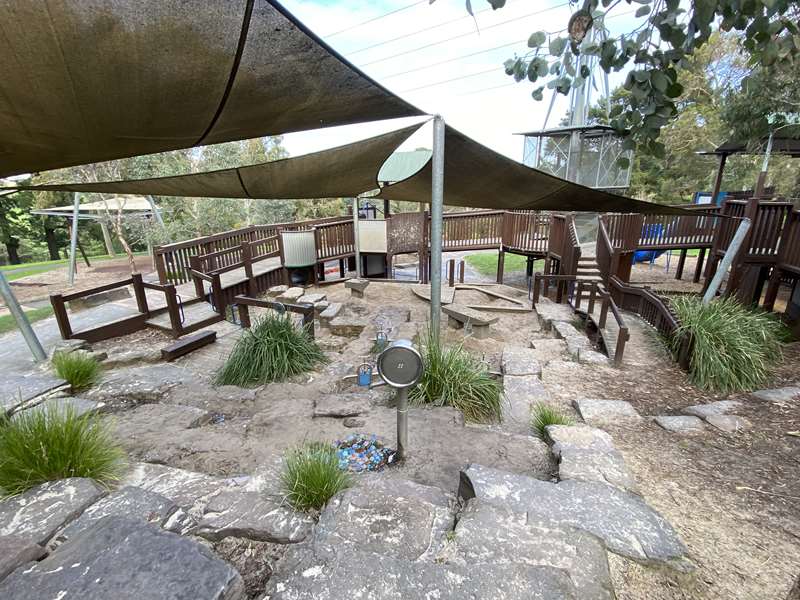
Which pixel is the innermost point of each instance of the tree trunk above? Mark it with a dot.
(121, 237)
(12, 245)
(52, 244)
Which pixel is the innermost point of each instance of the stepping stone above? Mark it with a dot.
(346, 326)
(588, 454)
(291, 296)
(547, 349)
(520, 361)
(149, 418)
(396, 518)
(728, 423)
(626, 524)
(277, 290)
(251, 515)
(356, 287)
(779, 395)
(312, 298)
(606, 412)
(19, 390)
(123, 558)
(137, 385)
(341, 405)
(396, 315)
(131, 502)
(720, 407)
(37, 514)
(133, 357)
(323, 572)
(680, 424)
(519, 394)
(79, 406)
(67, 346)
(488, 534)
(577, 345)
(16, 551)
(471, 320)
(330, 313)
(592, 357)
(566, 330)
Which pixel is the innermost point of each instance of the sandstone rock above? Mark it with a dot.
(519, 394)
(728, 423)
(680, 424)
(311, 298)
(21, 390)
(16, 551)
(93, 300)
(37, 514)
(576, 345)
(132, 357)
(291, 296)
(341, 405)
(79, 406)
(520, 361)
(720, 407)
(782, 395)
(606, 412)
(330, 313)
(67, 346)
(346, 326)
(137, 385)
(353, 422)
(155, 417)
(593, 357)
(126, 559)
(277, 290)
(547, 349)
(565, 330)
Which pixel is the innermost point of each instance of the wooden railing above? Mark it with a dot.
(335, 240)
(767, 227)
(526, 231)
(789, 252)
(558, 236)
(471, 230)
(244, 302)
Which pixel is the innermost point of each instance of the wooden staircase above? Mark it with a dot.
(588, 270)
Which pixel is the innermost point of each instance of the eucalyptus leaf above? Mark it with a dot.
(537, 39)
(557, 46)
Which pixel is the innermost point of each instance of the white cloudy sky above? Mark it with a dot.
(421, 53)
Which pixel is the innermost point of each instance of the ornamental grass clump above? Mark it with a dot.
(311, 476)
(272, 350)
(49, 444)
(734, 348)
(78, 369)
(543, 415)
(453, 377)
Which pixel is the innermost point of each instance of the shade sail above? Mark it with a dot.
(346, 171)
(478, 177)
(96, 80)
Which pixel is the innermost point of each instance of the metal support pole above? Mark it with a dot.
(22, 321)
(727, 260)
(437, 208)
(73, 243)
(402, 422)
(355, 237)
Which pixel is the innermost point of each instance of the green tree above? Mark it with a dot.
(15, 222)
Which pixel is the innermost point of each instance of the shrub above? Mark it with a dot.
(734, 347)
(272, 350)
(311, 476)
(543, 415)
(453, 377)
(48, 444)
(78, 369)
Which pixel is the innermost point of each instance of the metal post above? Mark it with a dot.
(22, 321)
(727, 260)
(437, 208)
(402, 422)
(73, 243)
(355, 237)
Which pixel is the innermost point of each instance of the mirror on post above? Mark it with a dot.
(401, 367)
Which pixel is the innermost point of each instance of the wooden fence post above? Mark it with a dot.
(173, 310)
(161, 269)
(141, 296)
(244, 315)
(62, 318)
(199, 288)
(461, 269)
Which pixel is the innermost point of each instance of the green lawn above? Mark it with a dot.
(13, 272)
(7, 322)
(486, 263)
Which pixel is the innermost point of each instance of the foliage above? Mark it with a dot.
(15, 222)
(272, 350)
(80, 370)
(667, 35)
(49, 444)
(453, 377)
(543, 415)
(311, 476)
(7, 322)
(734, 347)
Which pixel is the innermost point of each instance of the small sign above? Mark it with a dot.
(365, 375)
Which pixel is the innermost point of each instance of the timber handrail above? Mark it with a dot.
(624, 333)
(306, 310)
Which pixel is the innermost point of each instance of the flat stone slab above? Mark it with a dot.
(488, 534)
(464, 314)
(565, 330)
(606, 412)
(291, 296)
(131, 358)
(79, 406)
(331, 312)
(728, 423)
(547, 349)
(576, 345)
(37, 514)
(356, 284)
(18, 390)
(346, 326)
(323, 572)
(779, 395)
(126, 559)
(254, 516)
(156, 417)
(520, 361)
(588, 454)
(423, 291)
(626, 524)
(720, 407)
(592, 357)
(277, 290)
(137, 385)
(16, 551)
(520, 393)
(340, 406)
(680, 424)
(99, 298)
(312, 298)
(396, 518)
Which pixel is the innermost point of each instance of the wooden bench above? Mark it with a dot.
(188, 344)
(458, 316)
(356, 287)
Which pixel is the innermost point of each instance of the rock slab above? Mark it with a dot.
(520, 393)
(16, 551)
(79, 406)
(346, 326)
(340, 406)
(728, 423)
(520, 361)
(680, 424)
(606, 412)
(779, 395)
(720, 407)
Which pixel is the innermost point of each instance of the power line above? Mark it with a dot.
(378, 18)
(486, 89)
(492, 70)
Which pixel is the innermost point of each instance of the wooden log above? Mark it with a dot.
(188, 344)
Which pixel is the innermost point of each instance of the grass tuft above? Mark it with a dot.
(49, 444)
(272, 350)
(78, 369)
(453, 377)
(543, 415)
(311, 476)
(734, 348)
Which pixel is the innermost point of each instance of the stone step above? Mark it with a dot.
(624, 521)
(520, 393)
(520, 361)
(606, 412)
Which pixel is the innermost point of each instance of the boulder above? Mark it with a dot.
(592, 357)
(565, 330)
(126, 559)
(132, 357)
(606, 412)
(311, 298)
(519, 394)
(680, 424)
(16, 551)
(67, 346)
(37, 514)
(547, 349)
(352, 422)
(330, 313)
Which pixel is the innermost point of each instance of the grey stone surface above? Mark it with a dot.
(392, 517)
(728, 423)
(588, 454)
(252, 515)
(356, 286)
(519, 394)
(347, 326)
(606, 412)
(520, 361)
(593, 357)
(126, 559)
(312, 298)
(321, 572)
(626, 524)
(680, 424)
(331, 312)
(488, 534)
(547, 349)
(277, 290)
(353, 422)
(396, 315)
(37, 514)
(779, 395)
(291, 296)
(155, 417)
(341, 405)
(16, 551)
(18, 390)
(576, 345)
(67, 346)
(720, 407)
(79, 406)
(137, 385)
(565, 330)
(132, 357)
(221, 398)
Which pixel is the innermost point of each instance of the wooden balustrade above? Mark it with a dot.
(789, 253)
(244, 302)
(471, 230)
(335, 240)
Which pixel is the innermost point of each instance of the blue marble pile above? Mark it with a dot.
(360, 452)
